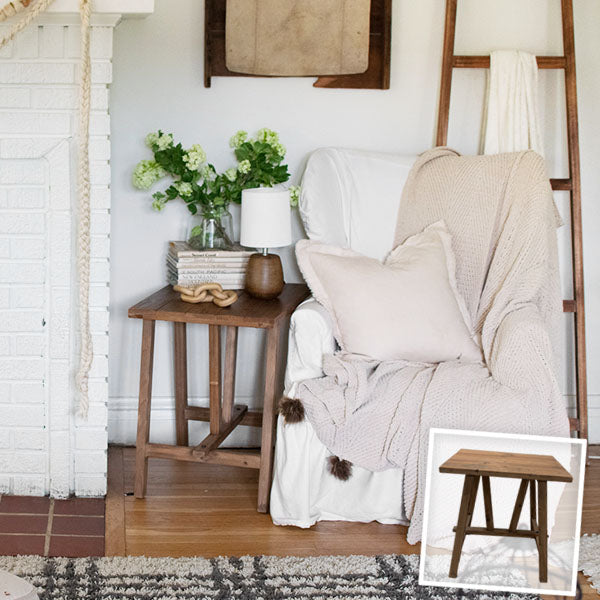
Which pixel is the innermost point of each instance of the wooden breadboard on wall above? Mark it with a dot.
(377, 75)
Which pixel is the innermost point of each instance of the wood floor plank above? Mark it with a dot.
(115, 505)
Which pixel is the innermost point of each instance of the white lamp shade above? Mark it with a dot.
(266, 218)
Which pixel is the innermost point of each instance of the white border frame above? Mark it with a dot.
(497, 588)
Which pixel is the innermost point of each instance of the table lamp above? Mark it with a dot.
(266, 223)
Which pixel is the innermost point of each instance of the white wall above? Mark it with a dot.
(158, 83)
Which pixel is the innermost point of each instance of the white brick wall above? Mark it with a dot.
(44, 447)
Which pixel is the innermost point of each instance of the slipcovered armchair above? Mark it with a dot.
(351, 199)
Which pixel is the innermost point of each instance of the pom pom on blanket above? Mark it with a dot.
(340, 468)
(292, 410)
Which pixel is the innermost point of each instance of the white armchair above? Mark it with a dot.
(349, 198)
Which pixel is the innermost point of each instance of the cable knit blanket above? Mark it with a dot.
(501, 215)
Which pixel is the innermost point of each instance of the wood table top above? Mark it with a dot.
(166, 305)
(541, 467)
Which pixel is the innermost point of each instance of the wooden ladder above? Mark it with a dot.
(451, 61)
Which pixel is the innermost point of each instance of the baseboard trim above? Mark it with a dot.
(122, 420)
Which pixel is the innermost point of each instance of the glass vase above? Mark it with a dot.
(211, 229)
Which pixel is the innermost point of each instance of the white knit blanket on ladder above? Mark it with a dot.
(512, 115)
(501, 215)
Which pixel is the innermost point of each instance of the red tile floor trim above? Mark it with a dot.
(32, 525)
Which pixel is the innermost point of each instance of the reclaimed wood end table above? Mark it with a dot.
(534, 471)
(223, 414)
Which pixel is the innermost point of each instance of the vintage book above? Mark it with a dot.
(228, 282)
(203, 260)
(183, 249)
(214, 263)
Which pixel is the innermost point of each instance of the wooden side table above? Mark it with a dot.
(223, 414)
(534, 471)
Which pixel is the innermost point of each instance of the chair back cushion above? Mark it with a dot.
(350, 198)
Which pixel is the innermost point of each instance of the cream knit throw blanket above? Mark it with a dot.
(501, 215)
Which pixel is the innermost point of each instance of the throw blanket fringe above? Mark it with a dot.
(292, 410)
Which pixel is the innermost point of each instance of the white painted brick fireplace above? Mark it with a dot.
(44, 447)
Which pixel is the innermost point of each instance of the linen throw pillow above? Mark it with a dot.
(405, 308)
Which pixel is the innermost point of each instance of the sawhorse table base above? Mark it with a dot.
(538, 520)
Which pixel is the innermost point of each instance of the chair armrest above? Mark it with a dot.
(310, 338)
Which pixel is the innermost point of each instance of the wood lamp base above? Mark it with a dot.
(264, 276)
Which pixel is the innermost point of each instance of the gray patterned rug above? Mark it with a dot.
(246, 578)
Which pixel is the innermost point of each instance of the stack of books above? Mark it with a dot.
(189, 267)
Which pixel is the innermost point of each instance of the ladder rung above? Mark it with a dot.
(569, 306)
(561, 184)
(483, 62)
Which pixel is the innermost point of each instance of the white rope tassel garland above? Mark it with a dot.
(83, 232)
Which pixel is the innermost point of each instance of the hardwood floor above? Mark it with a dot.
(209, 510)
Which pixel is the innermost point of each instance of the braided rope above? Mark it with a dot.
(13, 8)
(84, 209)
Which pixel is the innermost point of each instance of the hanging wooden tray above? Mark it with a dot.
(377, 76)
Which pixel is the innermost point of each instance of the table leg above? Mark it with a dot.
(472, 500)
(268, 420)
(214, 359)
(543, 526)
(143, 425)
(181, 383)
(514, 521)
(487, 501)
(231, 336)
(468, 495)
(532, 507)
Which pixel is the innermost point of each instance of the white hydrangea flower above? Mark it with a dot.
(238, 139)
(146, 173)
(206, 171)
(194, 157)
(164, 141)
(294, 195)
(280, 149)
(151, 139)
(184, 188)
(267, 136)
(159, 201)
(244, 166)
(231, 174)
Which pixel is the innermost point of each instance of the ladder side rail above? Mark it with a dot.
(446, 82)
(576, 219)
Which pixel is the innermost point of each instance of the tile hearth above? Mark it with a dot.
(48, 527)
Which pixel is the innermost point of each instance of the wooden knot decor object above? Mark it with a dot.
(207, 292)
(12, 8)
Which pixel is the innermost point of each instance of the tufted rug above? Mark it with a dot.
(589, 558)
(249, 577)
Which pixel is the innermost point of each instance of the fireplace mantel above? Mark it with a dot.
(104, 12)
